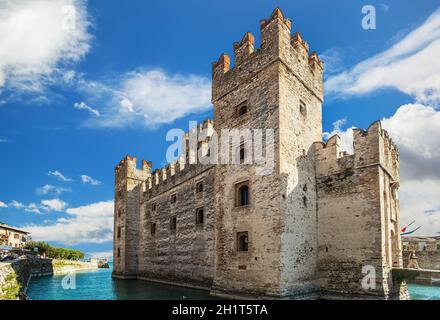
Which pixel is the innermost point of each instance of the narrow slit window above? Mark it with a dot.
(200, 216)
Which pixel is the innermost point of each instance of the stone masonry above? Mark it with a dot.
(307, 230)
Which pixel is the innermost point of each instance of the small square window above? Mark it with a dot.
(241, 109)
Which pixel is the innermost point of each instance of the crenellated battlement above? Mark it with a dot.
(127, 167)
(185, 166)
(371, 147)
(277, 44)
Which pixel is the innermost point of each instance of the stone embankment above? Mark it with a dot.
(15, 275)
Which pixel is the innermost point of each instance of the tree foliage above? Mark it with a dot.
(54, 252)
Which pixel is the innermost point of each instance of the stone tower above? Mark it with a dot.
(128, 182)
(277, 86)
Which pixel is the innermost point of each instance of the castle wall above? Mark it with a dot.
(185, 255)
(357, 215)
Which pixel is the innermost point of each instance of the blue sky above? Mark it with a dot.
(76, 100)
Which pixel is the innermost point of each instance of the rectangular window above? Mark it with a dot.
(153, 207)
(173, 224)
(119, 232)
(173, 198)
(153, 228)
(241, 110)
(119, 252)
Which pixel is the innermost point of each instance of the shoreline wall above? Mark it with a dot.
(15, 276)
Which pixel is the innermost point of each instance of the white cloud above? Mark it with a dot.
(87, 179)
(345, 135)
(415, 130)
(147, 97)
(47, 206)
(3, 205)
(50, 189)
(53, 205)
(59, 176)
(333, 58)
(84, 106)
(92, 223)
(16, 204)
(3, 140)
(39, 38)
(408, 66)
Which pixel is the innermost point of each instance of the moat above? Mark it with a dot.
(99, 285)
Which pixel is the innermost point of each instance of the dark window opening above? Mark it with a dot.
(242, 194)
(119, 252)
(242, 153)
(173, 198)
(326, 249)
(173, 223)
(153, 229)
(242, 110)
(199, 187)
(242, 241)
(302, 108)
(305, 201)
(119, 232)
(153, 207)
(199, 216)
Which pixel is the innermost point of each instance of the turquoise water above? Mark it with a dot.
(418, 292)
(99, 285)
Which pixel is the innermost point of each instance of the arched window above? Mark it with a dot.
(244, 195)
(199, 216)
(242, 241)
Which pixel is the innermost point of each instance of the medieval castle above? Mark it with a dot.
(314, 227)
